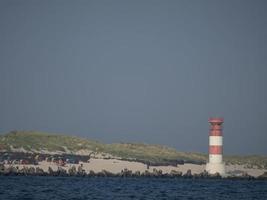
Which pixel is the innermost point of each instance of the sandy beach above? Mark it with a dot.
(116, 166)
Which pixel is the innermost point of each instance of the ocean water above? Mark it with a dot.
(74, 188)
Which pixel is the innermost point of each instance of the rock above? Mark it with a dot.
(175, 173)
(31, 171)
(215, 176)
(263, 176)
(39, 171)
(61, 172)
(126, 173)
(157, 173)
(203, 174)
(107, 173)
(102, 174)
(72, 171)
(10, 171)
(146, 173)
(188, 174)
(2, 168)
(137, 174)
(81, 171)
(50, 171)
(92, 173)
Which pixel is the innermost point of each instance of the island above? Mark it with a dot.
(45, 154)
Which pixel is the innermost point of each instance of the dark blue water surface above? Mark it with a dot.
(128, 188)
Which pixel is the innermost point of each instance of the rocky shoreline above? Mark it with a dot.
(80, 172)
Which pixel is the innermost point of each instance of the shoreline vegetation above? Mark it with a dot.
(32, 153)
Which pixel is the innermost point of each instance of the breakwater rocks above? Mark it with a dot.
(80, 172)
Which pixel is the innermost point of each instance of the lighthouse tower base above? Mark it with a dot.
(213, 168)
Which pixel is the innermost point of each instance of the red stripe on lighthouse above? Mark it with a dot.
(215, 133)
(215, 149)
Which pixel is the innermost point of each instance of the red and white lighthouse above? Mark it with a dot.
(216, 164)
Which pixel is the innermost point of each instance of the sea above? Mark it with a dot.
(76, 188)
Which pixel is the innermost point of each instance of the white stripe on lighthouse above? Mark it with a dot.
(216, 140)
(215, 158)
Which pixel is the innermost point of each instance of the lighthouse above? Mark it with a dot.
(215, 164)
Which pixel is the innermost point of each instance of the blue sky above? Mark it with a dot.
(136, 71)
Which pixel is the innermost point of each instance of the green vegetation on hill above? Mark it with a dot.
(250, 161)
(37, 141)
(33, 140)
(153, 154)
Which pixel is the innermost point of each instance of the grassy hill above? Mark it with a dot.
(33, 140)
(154, 154)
